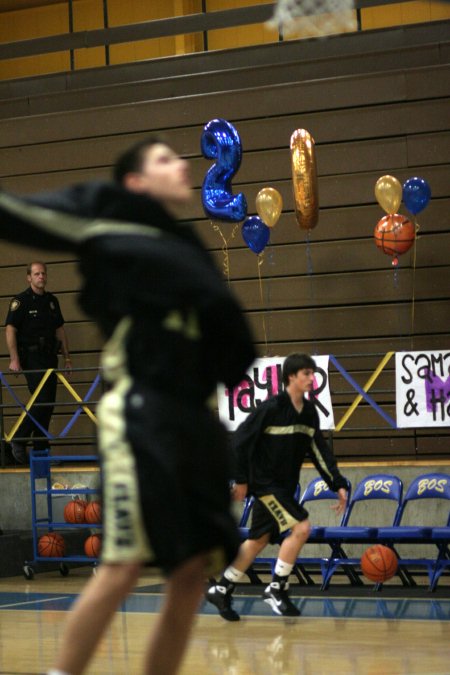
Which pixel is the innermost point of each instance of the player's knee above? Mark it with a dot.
(191, 573)
(257, 545)
(302, 530)
(123, 575)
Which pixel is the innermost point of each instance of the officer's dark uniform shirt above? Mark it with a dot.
(36, 318)
(272, 443)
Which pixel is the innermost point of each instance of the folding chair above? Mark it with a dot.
(428, 486)
(441, 537)
(244, 530)
(318, 491)
(245, 515)
(378, 486)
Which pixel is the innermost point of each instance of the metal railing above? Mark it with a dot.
(82, 404)
(200, 22)
(343, 380)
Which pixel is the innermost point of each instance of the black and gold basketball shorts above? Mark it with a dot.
(165, 476)
(274, 514)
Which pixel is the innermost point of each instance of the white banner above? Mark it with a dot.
(264, 379)
(422, 389)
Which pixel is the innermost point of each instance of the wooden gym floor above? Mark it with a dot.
(356, 632)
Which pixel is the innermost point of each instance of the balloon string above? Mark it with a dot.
(260, 262)
(309, 269)
(309, 262)
(271, 263)
(396, 266)
(413, 301)
(309, 266)
(226, 257)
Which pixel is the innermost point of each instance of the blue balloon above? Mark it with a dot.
(416, 194)
(256, 234)
(221, 141)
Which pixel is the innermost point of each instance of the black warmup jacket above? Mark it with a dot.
(187, 330)
(174, 331)
(272, 443)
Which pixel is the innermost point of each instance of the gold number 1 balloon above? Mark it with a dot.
(304, 179)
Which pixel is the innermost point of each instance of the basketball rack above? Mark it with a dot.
(40, 470)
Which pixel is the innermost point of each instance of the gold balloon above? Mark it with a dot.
(269, 205)
(304, 179)
(388, 191)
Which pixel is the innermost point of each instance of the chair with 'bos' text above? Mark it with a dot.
(426, 493)
(364, 508)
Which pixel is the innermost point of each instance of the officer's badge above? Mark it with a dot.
(52, 305)
(15, 304)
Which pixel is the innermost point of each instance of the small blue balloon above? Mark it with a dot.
(256, 234)
(416, 194)
(221, 141)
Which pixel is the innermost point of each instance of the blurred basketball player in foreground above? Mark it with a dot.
(173, 331)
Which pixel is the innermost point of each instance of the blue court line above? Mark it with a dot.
(49, 601)
(251, 606)
(348, 608)
(25, 604)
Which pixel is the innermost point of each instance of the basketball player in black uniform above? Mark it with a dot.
(173, 331)
(271, 445)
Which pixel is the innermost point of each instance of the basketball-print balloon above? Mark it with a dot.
(394, 234)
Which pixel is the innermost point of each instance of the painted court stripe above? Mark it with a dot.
(401, 608)
(13, 605)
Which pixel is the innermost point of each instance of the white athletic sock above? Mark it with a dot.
(232, 574)
(283, 569)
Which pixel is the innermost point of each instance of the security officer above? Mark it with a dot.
(34, 336)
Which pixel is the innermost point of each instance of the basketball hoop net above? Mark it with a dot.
(314, 18)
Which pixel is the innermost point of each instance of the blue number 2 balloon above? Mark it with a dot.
(221, 141)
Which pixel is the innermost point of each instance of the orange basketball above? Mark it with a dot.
(93, 513)
(74, 511)
(93, 545)
(394, 234)
(51, 546)
(57, 536)
(379, 563)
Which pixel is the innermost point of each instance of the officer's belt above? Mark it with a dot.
(46, 345)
